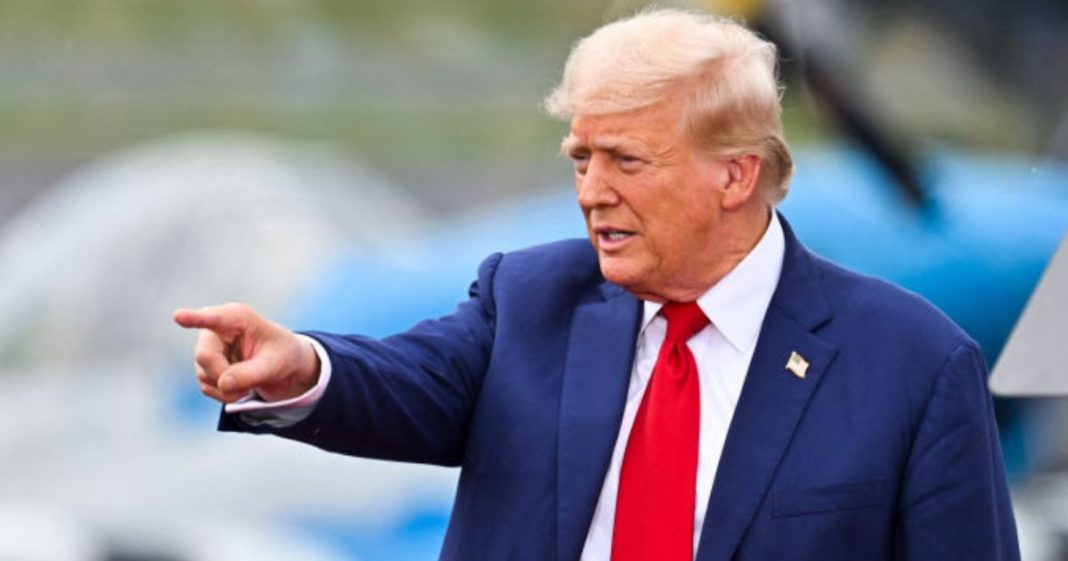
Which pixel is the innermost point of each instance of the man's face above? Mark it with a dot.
(651, 200)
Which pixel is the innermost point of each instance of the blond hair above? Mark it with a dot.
(728, 72)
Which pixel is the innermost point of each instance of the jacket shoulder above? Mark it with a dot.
(564, 265)
(887, 312)
(577, 251)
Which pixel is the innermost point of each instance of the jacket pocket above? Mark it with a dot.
(827, 498)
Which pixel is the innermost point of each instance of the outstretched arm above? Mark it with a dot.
(409, 397)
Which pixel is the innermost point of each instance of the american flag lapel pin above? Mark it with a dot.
(797, 365)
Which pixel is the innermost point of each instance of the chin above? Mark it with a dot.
(634, 280)
(619, 273)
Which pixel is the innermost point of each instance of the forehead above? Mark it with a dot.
(652, 126)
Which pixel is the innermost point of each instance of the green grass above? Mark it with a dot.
(388, 133)
(211, 39)
(161, 21)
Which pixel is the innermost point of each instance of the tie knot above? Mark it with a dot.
(684, 320)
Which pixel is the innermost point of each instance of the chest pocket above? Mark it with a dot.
(827, 498)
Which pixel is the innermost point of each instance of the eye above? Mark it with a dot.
(581, 161)
(629, 163)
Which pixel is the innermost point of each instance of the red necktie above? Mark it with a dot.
(657, 483)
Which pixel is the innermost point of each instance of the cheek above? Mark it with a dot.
(677, 229)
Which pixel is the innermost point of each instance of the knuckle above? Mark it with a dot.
(206, 339)
(202, 356)
(240, 314)
(236, 308)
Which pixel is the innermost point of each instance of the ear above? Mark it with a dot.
(742, 175)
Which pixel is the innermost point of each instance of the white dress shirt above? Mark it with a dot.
(735, 307)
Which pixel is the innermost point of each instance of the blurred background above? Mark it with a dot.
(292, 155)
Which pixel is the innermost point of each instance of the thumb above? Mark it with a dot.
(248, 375)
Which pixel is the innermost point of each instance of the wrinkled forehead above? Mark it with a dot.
(656, 124)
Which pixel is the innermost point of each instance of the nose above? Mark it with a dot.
(595, 187)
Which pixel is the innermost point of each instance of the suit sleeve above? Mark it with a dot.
(408, 397)
(955, 501)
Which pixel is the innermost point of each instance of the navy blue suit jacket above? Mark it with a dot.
(886, 450)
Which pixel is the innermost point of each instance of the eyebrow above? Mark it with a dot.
(568, 144)
(610, 144)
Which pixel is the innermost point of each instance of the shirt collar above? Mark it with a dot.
(737, 303)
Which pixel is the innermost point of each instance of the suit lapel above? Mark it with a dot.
(771, 405)
(596, 377)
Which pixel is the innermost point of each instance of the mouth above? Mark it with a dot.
(610, 237)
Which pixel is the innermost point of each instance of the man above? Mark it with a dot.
(688, 383)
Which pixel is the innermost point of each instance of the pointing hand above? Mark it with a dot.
(238, 351)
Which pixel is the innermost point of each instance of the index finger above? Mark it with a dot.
(195, 319)
(215, 318)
